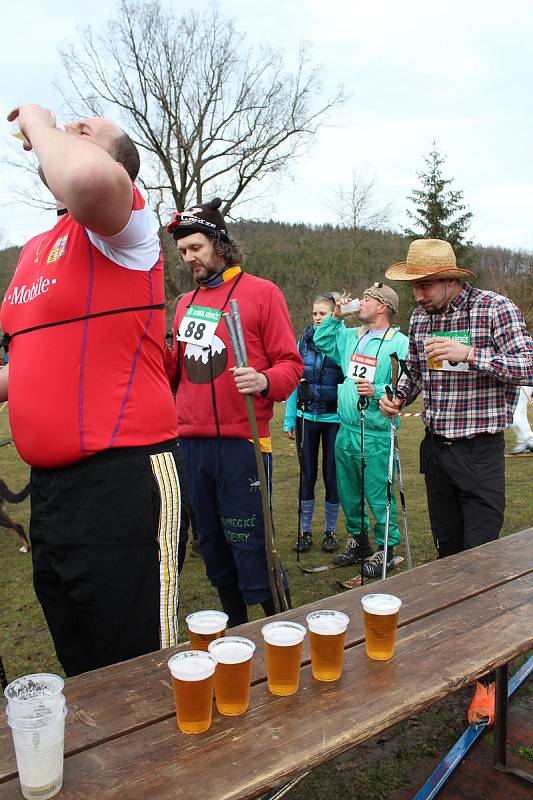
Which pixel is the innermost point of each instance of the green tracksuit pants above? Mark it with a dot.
(348, 464)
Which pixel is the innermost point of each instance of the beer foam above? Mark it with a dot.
(381, 604)
(327, 623)
(206, 621)
(231, 650)
(283, 634)
(191, 665)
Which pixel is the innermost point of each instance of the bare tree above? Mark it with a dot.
(356, 208)
(212, 115)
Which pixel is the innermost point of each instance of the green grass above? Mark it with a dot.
(374, 770)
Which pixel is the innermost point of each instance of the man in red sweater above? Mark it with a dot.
(213, 427)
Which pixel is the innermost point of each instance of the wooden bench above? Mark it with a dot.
(461, 617)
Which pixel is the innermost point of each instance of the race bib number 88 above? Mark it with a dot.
(198, 326)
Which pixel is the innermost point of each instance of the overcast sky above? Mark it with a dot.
(459, 72)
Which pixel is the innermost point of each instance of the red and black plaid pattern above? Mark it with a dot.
(482, 400)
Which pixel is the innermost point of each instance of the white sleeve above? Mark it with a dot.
(136, 246)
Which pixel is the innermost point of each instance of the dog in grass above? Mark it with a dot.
(7, 496)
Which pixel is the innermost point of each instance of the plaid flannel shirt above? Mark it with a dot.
(482, 400)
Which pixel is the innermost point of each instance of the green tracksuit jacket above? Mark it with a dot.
(337, 341)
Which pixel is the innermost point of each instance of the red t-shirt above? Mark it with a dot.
(83, 387)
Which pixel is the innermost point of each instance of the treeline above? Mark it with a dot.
(305, 260)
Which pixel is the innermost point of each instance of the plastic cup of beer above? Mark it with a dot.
(327, 633)
(381, 623)
(192, 681)
(283, 655)
(205, 626)
(233, 673)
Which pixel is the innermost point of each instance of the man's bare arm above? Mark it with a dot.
(95, 188)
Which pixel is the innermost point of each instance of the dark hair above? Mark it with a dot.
(126, 153)
(229, 251)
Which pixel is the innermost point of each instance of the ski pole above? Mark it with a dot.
(362, 405)
(275, 578)
(401, 368)
(300, 448)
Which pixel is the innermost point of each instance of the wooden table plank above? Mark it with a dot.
(125, 697)
(281, 737)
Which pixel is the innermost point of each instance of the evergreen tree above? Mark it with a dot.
(439, 212)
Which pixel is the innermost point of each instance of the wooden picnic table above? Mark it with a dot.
(461, 617)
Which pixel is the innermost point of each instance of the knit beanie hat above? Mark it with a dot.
(384, 294)
(204, 218)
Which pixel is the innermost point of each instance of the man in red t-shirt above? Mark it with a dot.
(89, 402)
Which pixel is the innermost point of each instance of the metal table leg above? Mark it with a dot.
(500, 727)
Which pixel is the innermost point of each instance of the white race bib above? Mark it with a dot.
(198, 326)
(362, 366)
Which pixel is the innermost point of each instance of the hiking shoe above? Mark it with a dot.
(481, 709)
(354, 552)
(306, 543)
(329, 542)
(373, 568)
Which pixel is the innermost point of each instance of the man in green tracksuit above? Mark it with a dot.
(364, 356)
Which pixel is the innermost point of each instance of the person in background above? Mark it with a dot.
(521, 427)
(311, 418)
(469, 351)
(364, 356)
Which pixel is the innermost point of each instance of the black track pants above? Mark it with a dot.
(105, 537)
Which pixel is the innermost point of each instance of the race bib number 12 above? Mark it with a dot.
(362, 366)
(198, 326)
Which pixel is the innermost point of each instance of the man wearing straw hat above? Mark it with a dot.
(469, 352)
(213, 426)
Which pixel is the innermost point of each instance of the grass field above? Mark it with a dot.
(375, 770)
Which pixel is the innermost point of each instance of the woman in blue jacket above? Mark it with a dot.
(310, 418)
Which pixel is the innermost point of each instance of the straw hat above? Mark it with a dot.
(427, 258)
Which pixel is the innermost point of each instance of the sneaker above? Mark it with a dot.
(481, 709)
(306, 542)
(329, 542)
(373, 568)
(354, 552)
(522, 449)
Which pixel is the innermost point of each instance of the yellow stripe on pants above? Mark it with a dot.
(166, 474)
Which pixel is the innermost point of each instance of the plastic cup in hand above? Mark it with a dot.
(192, 681)
(205, 626)
(327, 633)
(381, 623)
(351, 307)
(283, 655)
(233, 673)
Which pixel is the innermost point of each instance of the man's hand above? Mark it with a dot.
(249, 381)
(365, 388)
(290, 434)
(439, 348)
(29, 115)
(389, 408)
(343, 299)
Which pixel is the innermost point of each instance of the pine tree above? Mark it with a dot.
(439, 212)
